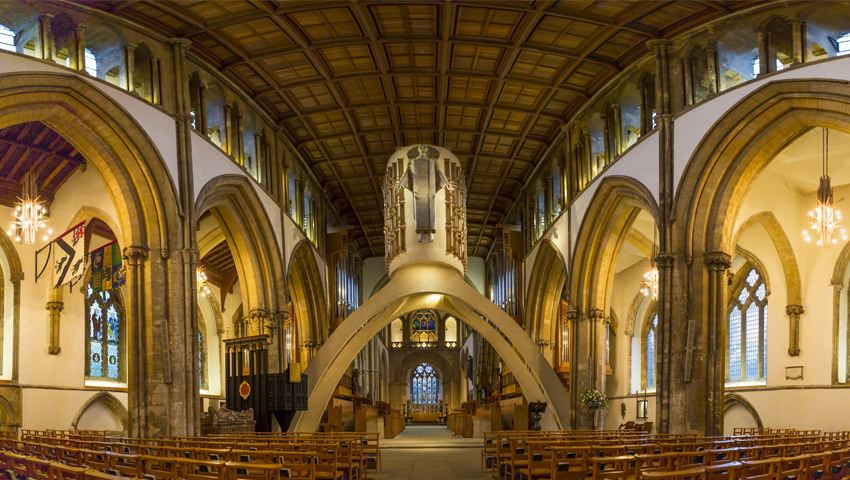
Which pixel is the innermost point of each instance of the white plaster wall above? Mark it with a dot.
(639, 162)
(692, 126)
(159, 126)
(54, 387)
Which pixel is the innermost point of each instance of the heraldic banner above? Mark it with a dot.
(69, 255)
(106, 267)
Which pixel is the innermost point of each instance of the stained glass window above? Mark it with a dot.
(747, 331)
(424, 385)
(650, 339)
(90, 62)
(423, 328)
(105, 334)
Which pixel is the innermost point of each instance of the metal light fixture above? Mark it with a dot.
(30, 214)
(825, 218)
(203, 284)
(649, 284)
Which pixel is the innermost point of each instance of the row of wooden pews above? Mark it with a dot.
(632, 455)
(87, 455)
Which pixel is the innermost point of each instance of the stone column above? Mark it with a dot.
(45, 36)
(764, 64)
(156, 82)
(135, 258)
(688, 74)
(588, 365)
(669, 387)
(227, 135)
(618, 130)
(715, 340)
(794, 312)
(187, 323)
(798, 41)
(55, 312)
(712, 71)
(130, 65)
(80, 47)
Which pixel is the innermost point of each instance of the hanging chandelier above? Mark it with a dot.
(649, 284)
(203, 284)
(825, 219)
(30, 214)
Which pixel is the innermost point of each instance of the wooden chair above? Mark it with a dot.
(92, 474)
(253, 471)
(191, 469)
(732, 470)
(693, 473)
(764, 469)
(60, 471)
(296, 466)
(570, 463)
(538, 461)
(613, 468)
(158, 467)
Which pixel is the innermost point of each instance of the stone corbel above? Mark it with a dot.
(55, 315)
(596, 315)
(794, 312)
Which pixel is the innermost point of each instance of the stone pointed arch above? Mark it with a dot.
(109, 401)
(783, 249)
(432, 286)
(733, 399)
(145, 199)
(307, 293)
(413, 359)
(545, 289)
(252, 242)
(604, 229)
(707, 203)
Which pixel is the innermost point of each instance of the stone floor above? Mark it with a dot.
(430, 453)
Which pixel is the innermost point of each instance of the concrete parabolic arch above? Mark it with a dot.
(433, 285)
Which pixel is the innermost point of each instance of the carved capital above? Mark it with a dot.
(180, 42)
(658, 46)
(572, 314)
(55, 307)
(190, 255)
(665, 260)
(718, 261)
(134, 255)
(596, 315)
(794, 310)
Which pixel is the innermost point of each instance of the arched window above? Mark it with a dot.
(91, 63)
(747, 349)
(105, 331)
(423, 329)
(424, 385)
(7, 39)
(650, 342)
(451, 332)
(842, 44)
(397, 333)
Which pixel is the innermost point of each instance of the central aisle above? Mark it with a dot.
(429, 452)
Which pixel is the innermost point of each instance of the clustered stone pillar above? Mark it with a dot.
(715, 345)
(589, 362)
(135, 258)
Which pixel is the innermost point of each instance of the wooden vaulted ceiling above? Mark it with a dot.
(350, 81)
(33, 146)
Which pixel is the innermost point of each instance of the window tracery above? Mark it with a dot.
(747, 347)
(424, 388)
(423, 329)
(104, 328)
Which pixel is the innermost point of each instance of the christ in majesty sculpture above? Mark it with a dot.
(424, 178)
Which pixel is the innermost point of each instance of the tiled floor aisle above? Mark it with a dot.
(430, 453)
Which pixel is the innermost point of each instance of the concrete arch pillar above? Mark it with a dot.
(433, 286)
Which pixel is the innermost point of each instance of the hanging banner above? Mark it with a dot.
(106, 267)
(69, 255)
